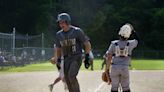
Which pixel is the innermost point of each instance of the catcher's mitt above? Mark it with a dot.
(106, 77)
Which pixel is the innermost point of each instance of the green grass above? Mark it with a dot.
(32, 67)
(148, 64)
(136, 65)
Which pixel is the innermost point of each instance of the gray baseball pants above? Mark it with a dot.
(71, 68)
(120, 78)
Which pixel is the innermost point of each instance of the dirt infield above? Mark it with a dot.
(141, 81)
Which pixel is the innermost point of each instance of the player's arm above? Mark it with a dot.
(54, 58)
(136, 38)
(84, 40)
(87, 46)
(106, 74)
(58, 55)
(135, 35)
(109, 55)
(58, 52)
(55, 53)
(108, 61)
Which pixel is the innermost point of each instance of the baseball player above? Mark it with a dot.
(60, 67)
(60, 77)
(69, 43)
(119, 58)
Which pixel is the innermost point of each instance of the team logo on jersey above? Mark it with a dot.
(69, 46)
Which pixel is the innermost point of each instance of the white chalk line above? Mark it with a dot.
(100, 87)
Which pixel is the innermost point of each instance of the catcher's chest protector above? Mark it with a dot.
(121, 52)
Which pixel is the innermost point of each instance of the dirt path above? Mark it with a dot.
(141, 81)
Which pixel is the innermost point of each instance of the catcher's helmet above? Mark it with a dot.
(126, 30)
(64, 17)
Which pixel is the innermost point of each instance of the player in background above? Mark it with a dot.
(60, 67)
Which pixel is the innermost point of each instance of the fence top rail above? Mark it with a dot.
(33, 48)
(7, 34)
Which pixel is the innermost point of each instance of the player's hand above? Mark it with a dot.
(86, 61)
(53, 60)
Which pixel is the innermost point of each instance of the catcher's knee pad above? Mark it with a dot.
(127, 91)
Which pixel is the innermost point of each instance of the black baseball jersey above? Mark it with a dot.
(71, 41)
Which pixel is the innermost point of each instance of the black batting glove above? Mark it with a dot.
(86, 61)
(58, 63)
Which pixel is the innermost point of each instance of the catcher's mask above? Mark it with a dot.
(125, 31)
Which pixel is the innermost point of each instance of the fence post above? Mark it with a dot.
(43, 51)
(26, 40)
(13, 49)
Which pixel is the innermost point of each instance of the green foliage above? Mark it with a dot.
(144, 15)
(100, 19)
(28, 16)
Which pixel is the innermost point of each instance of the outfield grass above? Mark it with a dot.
(136, 65)
(148, 64)
(32, 67)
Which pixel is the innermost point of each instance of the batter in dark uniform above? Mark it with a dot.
(70, 41)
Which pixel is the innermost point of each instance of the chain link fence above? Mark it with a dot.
(18, 50)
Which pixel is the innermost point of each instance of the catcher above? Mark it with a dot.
(119, 58)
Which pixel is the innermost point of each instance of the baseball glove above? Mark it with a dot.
(106, 77)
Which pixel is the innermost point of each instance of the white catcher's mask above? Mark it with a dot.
(125, 30)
